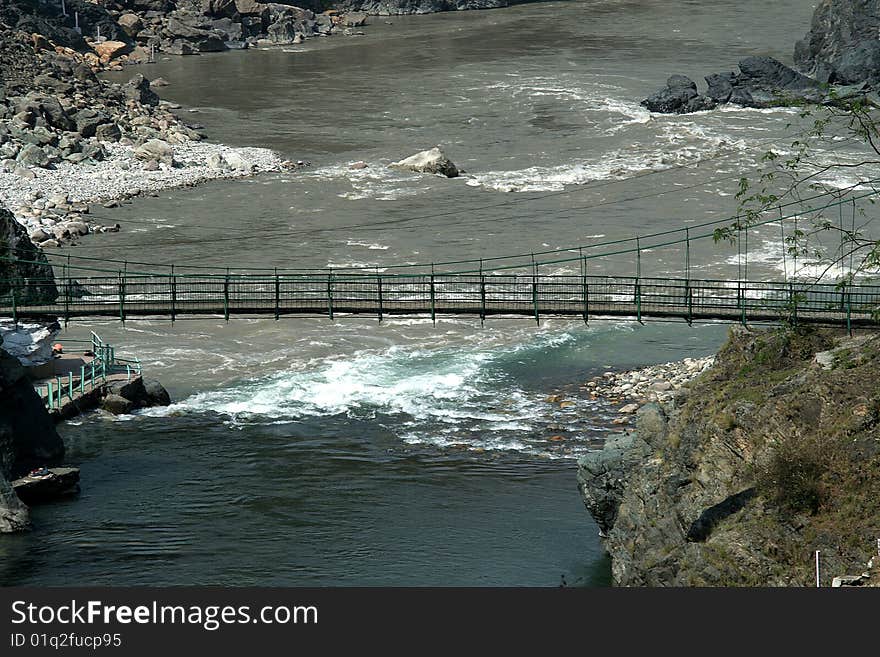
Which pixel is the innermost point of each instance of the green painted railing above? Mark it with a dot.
(103, 364)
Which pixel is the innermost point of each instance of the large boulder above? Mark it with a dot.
(184, 30)
(156, 150)
(27, 434)
(32, 155)
(88, 120)
(430, 161)
(679, 96)
(138, 89)
(30, 278)
(131, 24)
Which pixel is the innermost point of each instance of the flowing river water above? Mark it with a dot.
(310, 452)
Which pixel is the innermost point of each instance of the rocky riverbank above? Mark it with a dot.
(838, 59)
(770, 454)
(69, 139)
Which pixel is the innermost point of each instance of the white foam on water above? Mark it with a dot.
(373, 246)
(440, 397)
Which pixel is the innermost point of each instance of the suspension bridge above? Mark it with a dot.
(560, 282)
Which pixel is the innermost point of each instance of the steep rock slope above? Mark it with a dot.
(770, 455)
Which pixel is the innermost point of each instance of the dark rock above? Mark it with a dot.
(27, 434)
(138, 89)
(88, 120)
(133, 390)
(13, 512)
(672, 99)
(117, 405)
(841, 46)
(157, 395)
(193, 30)
(720, 86)
(47, 486)
(93, 150)
(108, 132)
(769, 74)
(32, 155)
(229, 29)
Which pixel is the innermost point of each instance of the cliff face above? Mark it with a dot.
(33, 281)
(770, 455)
(842, 45)
(27, 438)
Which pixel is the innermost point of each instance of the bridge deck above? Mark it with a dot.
(138, 295)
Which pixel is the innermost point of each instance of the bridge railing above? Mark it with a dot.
(103, 364)
(132, 294)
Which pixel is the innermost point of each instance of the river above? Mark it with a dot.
(310, 452)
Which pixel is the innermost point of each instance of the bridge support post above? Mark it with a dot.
(14, 304)
(67, 292)
(122, 297)
(82, 379)
(638, 291)
(379, 291)
(433, 298)
(848, 311)
(51, 392)
(740, 299)
(226, 296)
(535, 290)
(173, 295)
(330, 294)
(585, 289)
(482, 295)
(277, 296)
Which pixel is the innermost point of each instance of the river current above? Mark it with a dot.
(311, 452)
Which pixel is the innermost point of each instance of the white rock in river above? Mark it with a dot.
(430, 161)
(230, 160)
(156, 150)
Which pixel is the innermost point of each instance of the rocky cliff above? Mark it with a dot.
(24, 270)
(842, 45)
(27, 438)
(771, 454)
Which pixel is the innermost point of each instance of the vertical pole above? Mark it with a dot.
(277, 294)
(482, 295)
(740, 294)
(585, 289)
(782, 242)
(70, 385)
(51, 391)
(689, 297)
(535, 290)
(794, 270)
(817, 568)
(82, 379)
(226, 296)
(379, 289)
(330, 294)
(93, 372)
(433, 293)
(14, 308)
(793, 303)
(59, 387)
(173, 295)
(67, 292)
(122, 297)
(638, 285)
(848, 311)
